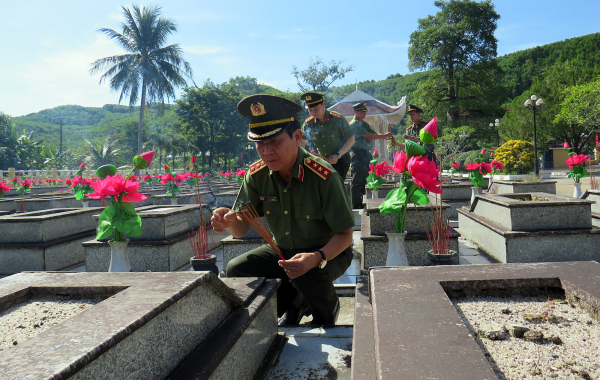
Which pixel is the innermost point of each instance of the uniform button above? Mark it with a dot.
(268, 212)
(323, 146)
(287, 232)
(307, 217)
(285, 212)
(285, 191)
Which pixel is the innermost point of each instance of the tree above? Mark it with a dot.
(581, 111)
(517, 124)
(8, 154)
(210, 120)
(319, 76)
(149, 68)
(458, 44)
(101, 154)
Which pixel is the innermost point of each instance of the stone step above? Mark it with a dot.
(225, 353)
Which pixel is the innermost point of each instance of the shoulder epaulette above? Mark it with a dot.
(335, 114)
(309, 119)
(321, 170)
(255, 167)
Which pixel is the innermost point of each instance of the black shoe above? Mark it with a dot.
(296, 312)
(327, 322)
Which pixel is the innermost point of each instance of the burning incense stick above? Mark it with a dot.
(249, 214)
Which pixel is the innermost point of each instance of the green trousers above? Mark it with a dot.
(316, 285)
(360, 170)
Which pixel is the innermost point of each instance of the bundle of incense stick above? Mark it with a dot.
(249, 214)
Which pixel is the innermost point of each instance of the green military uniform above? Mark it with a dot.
(360, 160)
(303, 216)
(415, 130)
(328, 137)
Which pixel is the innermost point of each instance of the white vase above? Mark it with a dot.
(118, 256)
(576, 190)
(85, 204)
(474, 192)
(374, 194)
(173, 201)
(396, 256)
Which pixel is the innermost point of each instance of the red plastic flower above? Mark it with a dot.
(113, 186)
(576, 159)
(375, 153)
(482, 151)
(4, 187)
(473, 166)
(380, 170)
(241, 173)
(566, 145)
(82, 165)
(148, 157)
(497, 165)
(455, 165)
(486, 167)
(424, 173)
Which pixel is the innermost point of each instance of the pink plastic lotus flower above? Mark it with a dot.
(497, 165)
(241, 173)
(473, 166)
(3, 188)
(455, 165)
(82, 165)
(429, 133)
(399, 162)
(577, 159)
(114, 186)
(424, 173)
(566, 145)
(482, 151)
(375, 153)
(485, 167)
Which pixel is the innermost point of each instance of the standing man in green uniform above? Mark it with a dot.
(329, 132)
(364, 134)
(309, 214)
(413, 132)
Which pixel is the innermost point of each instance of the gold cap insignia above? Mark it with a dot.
(257, 109)
(308, 98)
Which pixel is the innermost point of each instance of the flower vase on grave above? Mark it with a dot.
(475, 190)
(374, 194)
(118, 256)
(206, 265)
(448, 258)
(173, 201)
(396, 256)
(576, 189)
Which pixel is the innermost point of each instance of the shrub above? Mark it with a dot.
(516, 156)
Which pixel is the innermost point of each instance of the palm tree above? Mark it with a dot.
(149, 67)
(101, 154)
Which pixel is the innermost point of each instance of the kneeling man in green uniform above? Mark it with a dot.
(309, 215)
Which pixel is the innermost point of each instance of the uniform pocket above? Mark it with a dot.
(308, 213)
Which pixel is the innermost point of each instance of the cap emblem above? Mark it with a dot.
(257, 109)
(307, 97)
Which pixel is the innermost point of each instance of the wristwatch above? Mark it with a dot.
(323, 259)
(339, 155)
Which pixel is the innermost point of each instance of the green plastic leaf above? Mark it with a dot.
(140, 162)
(106, 170)
(413, 149)
(419, 197)
(393, 201)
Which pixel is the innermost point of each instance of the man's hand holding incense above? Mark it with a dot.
(227, 219)
(300, 264)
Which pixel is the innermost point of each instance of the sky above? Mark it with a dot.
(47, 47)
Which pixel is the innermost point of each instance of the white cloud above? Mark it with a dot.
(388, 45)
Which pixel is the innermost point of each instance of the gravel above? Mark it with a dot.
(25, 320)
(571, 338)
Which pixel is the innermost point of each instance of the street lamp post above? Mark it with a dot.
(538, 103)
(496, 123)
(60, 122)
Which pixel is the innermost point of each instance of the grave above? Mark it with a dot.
(405, 326)
(594, 196)
(382, 192)
(149, 326)
(456, 195)
(225, 198)
(163, 246)
(374, 225)
(504, 187)
(531, 227)
(233, 247)
(45, 240)
(45, 203)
